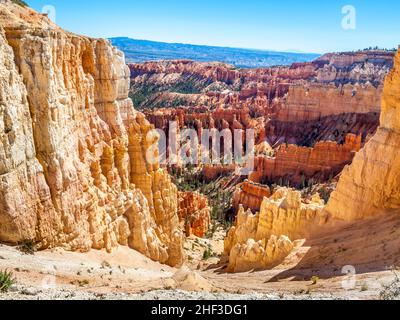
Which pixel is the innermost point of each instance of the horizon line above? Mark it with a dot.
(227, 47)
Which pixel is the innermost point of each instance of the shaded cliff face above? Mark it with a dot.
(372, 183)
(73, 169)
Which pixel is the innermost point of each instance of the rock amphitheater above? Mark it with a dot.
(74, 179)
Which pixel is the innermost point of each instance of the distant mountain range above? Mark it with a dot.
(137, 51)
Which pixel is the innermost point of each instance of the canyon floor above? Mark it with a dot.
(312, 271)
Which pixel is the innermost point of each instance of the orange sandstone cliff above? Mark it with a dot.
(195, 213)
(372, 183)
(369, 187)
(72, 166)
(294, 163)
(263, 240)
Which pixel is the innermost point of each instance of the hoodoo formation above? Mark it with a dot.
(310, 121)
(331, 106)
(74, 169)
(372, 183)
(369, 186)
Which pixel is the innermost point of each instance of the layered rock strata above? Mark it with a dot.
(297, 165)
(316, 104)
(369, 187)
(300, 92)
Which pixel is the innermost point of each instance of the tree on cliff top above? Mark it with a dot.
(20, 3)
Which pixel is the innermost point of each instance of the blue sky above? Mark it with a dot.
(307, 26)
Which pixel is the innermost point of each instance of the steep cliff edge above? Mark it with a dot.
(73, 170)
(372, 183)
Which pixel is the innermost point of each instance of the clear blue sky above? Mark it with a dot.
(308, 25)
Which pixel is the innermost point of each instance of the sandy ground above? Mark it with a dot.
(315, 270)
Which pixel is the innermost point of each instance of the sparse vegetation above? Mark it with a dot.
(392, 290)
(307, 186)
(208, 253)
(20, 3)
(7, 280)
(80, 283)
(325, 194)
(152, 96)
(27, 247)
(190, 85)
(314, 280)
(220, 201)
(364, 287)
(377, 48)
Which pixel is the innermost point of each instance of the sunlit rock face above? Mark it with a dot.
(369, 186)
(73, 169)
(195, 213)
(330, 106)
(265, 239)
(294, 163)
(250, 195)
(372, 183)
(333, 84)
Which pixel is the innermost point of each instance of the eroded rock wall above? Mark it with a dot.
(73, 170)
(312, 107)
(263, 240)
(369, 186)
(297, 165)
(195, 213)
(372, 183)
(250, 195)
(305, 102)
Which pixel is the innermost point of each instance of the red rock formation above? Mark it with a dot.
(306, 102)
(212, 172)
(250, 195)
(371, 185)
(294, 163)
(194, 213)
(329, 128)
(335, 84)
(215, 71)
